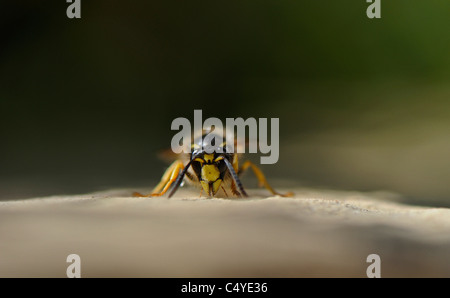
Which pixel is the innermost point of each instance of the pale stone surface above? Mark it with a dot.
(318, 233)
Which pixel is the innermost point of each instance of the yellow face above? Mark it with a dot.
(210, 174)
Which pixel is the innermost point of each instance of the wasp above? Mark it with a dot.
(215, 171)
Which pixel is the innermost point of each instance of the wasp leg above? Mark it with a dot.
(169, 177)
(261, 178)
(236, 164)
(225, 191)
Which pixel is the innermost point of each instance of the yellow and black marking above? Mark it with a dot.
(210, 170)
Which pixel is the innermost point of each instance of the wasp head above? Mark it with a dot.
(210, 170)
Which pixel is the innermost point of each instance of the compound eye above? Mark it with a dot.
(221, 166)
(196, 154)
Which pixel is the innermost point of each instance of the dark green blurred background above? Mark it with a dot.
(363, 104)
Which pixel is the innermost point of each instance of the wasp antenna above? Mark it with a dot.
(235, 177)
